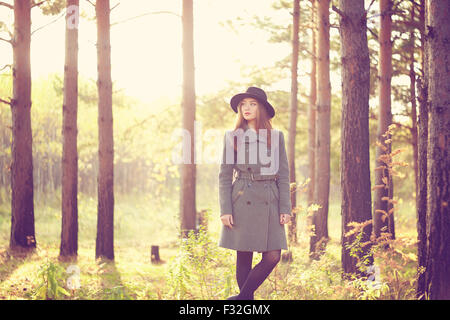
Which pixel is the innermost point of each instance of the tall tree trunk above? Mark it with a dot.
(383, 221)
(292, 227)
(312, 108)
(322, 173)
(412, 93)
(438, 213)
(22, 206)
(355, 160)
(188, 171)
(105, 210)
(421, 198)
(69, 181)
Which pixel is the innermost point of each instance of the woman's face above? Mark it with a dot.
(248, 108)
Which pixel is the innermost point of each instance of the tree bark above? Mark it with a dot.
(438, 213)
(355, 160)
(412, 93)
(69, 182)
(105, 207)
(22, 205)
(312, 109)
(322, 171)
(421, 198)
(292, 227)
(383, 221)
(188, 171)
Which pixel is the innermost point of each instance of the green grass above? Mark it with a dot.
(194, 270)
(139, 223)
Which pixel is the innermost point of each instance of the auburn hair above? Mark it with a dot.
(263, 121)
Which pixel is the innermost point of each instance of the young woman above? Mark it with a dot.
(255, 205)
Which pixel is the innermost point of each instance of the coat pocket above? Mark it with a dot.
(237, 191)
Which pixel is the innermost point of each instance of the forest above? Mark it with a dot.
(100, 201)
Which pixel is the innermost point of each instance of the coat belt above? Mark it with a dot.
(256, 176)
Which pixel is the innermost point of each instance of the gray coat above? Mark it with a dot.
(255, 204)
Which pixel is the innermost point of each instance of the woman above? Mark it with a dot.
(256, 205)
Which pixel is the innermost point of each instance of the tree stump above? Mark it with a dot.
(155, 255)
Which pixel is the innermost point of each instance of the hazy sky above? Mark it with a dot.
(146, 52)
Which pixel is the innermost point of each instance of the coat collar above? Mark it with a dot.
(254, 137)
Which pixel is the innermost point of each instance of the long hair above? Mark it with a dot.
(263, 121)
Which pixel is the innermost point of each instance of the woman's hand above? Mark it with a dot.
(227, 220)
(284, 218)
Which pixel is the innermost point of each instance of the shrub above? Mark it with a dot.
(51, 279)
(200, 270)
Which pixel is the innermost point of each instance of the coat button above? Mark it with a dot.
(248, 202)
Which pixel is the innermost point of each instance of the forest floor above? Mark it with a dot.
(192, 269)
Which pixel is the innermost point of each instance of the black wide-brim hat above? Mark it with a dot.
(256, 93)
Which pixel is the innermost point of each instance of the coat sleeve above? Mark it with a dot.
(283, 180)
(225, 182)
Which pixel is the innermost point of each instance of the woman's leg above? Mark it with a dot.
(259, 273)
(243, 266)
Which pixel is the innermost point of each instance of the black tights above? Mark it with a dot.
(249, 279)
